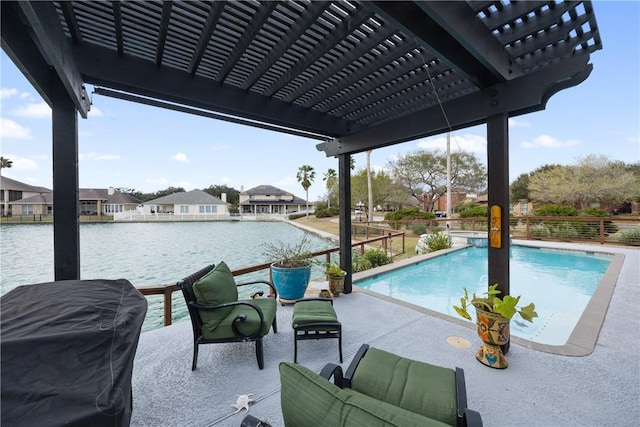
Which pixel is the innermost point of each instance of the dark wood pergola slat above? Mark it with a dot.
(350, 73)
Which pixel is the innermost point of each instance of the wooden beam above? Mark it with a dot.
(49, 36)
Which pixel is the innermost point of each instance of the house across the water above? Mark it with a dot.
(267, 199)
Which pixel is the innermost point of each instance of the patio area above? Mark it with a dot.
(538, 388)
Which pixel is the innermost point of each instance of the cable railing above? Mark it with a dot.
(168, 289)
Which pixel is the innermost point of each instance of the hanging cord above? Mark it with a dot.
(433, 86)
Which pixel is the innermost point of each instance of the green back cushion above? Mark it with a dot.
(252, 324)
(415, 386)
(307, 400)
(216, 287)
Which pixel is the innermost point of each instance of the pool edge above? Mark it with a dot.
(582, 340)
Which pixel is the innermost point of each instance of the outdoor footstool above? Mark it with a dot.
(314, 319)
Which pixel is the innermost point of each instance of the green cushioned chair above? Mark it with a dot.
(217, 316)
(379, 389)
(433, 391)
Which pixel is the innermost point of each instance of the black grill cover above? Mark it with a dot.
(67, 351)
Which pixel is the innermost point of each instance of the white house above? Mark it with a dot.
(267, 199)
(194, 202)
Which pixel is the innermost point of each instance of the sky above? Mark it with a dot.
(125, 144)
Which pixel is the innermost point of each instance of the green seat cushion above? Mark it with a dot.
(251, 326)
(306, 312)
(307, 400)
(415, 386)
(216, 287)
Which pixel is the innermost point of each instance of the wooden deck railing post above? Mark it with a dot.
(167, 306)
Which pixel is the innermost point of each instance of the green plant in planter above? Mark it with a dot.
(493, 315)
(334, 269)
(507, 306)
(288, 255)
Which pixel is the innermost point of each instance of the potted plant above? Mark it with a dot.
(335, 276)
(492, 317)
(290, 269)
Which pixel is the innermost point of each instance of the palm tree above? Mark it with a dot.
(330, 177)
(5, 163)
(305, 176)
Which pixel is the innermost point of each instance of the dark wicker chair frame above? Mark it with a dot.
(186, 285)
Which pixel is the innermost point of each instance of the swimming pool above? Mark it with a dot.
(559, 282)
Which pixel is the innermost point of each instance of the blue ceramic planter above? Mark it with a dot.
(291, 283)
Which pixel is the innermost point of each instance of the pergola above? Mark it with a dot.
(355, 75)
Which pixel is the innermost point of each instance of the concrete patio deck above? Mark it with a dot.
(538, 388)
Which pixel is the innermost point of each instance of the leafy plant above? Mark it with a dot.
(418, 228)
(371, 258)
(288, 255)
(413, 213)
(434, 242)
(555, 210)
(377, 257)
(631, 236)
(507, 306)
(334, 269)
(474, 212)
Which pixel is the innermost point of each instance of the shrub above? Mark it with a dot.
(609, 226)
(296, 216)
(371, 258)
(538, 231)
(474, 212)
(413, 213)
(555, 210)
(597, 212)
(377, 257)
(327, 212)
(435, 242)
(631, 236)
(564, 231)
(359, 263)
(418, 228)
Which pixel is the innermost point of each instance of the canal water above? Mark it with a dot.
(146, 253)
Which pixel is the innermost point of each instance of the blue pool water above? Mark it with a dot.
(559, 282)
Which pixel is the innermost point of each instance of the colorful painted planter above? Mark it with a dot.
(336, 284)
(493, 330)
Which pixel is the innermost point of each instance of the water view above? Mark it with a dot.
(146, 253)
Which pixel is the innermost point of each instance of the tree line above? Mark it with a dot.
(421, 176)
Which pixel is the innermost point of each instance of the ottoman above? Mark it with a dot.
(314, 319)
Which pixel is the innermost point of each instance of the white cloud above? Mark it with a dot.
(11, 129)
(41, 110)
(95, 112)
(8, 93)
(468, 142)
(160, 182)
(181, 157)
(187, 185)
(98, 157)
(546, 141)
(225, 180)
(518, 123)
(20, 163)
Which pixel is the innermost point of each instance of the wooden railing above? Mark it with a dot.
(168, 289)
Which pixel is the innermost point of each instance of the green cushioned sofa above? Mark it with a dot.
(218, 316)
(378, 389)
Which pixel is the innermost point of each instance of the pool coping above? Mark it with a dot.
(581, 341)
